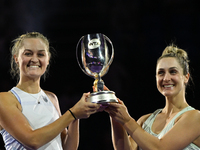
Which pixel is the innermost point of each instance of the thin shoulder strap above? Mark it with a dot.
(181, 112)
(151, 118)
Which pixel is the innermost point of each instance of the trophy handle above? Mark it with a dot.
(77, 56)
(111, 57)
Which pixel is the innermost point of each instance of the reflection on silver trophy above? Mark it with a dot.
(95, 61)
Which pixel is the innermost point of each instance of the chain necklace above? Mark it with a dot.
(37, 98)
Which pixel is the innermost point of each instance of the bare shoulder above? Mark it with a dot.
(4, 94)
(8, 98)
(192, 115)
(8, 101)
(189, 118)
(142, 119)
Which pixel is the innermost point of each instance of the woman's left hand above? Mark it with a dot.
(118, 111)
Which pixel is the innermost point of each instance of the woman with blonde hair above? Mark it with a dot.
(174, 127)
(30, 117)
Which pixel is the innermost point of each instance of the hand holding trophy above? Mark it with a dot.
(95, 62)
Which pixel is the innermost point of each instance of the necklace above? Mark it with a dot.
(39, 95)
(37, 98)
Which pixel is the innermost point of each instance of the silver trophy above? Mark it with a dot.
(93, 53)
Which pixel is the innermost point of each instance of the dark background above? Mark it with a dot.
(139, 31)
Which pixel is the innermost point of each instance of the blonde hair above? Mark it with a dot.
(18, 43)
(180, 54)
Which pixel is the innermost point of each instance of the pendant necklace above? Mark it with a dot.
(37, 98)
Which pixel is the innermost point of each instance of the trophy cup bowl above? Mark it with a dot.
(95, 62)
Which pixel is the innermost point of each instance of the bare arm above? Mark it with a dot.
(72, 141)
(70, 136)
(14, 122)
(120, 138)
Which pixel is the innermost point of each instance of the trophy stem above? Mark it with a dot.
(98, 83)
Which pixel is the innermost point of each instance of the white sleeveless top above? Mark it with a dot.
(149, 122)
(39, 111)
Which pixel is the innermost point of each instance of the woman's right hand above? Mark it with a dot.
(83, 109)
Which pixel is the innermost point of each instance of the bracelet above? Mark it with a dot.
(72, 114)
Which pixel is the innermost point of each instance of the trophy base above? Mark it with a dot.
(102, 97)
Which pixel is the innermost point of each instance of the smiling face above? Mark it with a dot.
(169, 77)
(32, 58)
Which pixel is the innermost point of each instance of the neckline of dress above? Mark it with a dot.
(31, 93)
